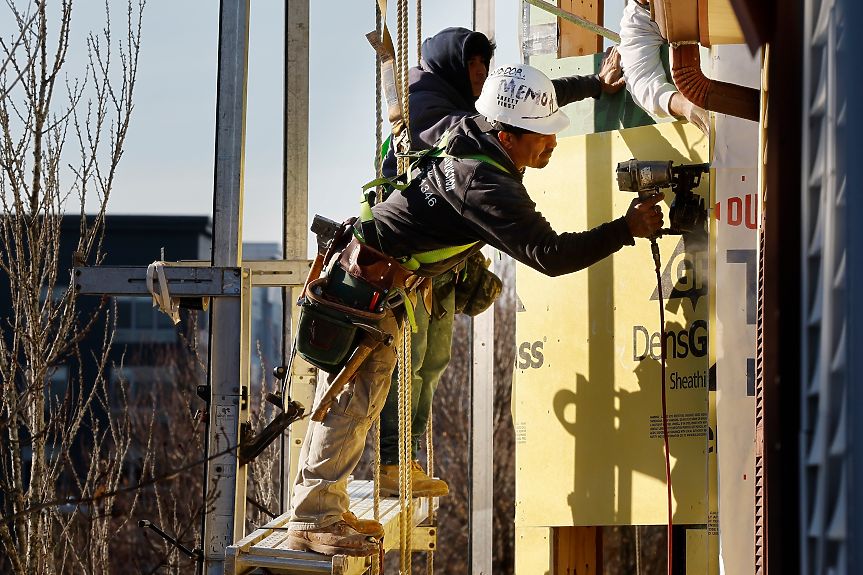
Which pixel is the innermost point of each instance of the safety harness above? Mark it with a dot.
(368, 232)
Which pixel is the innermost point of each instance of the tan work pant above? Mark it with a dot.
(333, 447)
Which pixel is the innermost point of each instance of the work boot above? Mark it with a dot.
(364, 526)
(337, 539)
(423, 485)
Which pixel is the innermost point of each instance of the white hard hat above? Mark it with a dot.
(523, 97)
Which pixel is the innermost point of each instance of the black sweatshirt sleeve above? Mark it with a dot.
(575, 88)
(499, 210)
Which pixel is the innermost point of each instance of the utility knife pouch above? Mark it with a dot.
(376, 268)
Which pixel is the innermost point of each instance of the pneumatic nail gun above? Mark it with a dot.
(646, 178)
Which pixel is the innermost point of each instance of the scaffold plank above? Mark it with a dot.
(267, 546)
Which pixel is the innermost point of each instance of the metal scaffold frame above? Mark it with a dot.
(229, 280)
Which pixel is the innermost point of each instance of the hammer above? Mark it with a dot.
(372, 338)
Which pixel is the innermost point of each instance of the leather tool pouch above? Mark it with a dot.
(477, 288)
(365, 263)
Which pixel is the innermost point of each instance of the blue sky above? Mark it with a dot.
(167, 167)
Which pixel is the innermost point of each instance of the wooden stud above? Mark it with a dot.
(573, 39)
(577, 550)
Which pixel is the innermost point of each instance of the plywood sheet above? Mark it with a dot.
(589, 443)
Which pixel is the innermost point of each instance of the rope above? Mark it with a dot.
(377, 561)
(419, 30)
(405, 459)
(378, 111)
(408, 433)
(430, 468)
(402, 71)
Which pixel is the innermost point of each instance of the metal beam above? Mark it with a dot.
(295, 200)
(203, 281)
(482, 392)
(482, 437)
(226, 313)
(245, 399)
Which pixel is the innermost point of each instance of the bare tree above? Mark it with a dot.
(41, 106)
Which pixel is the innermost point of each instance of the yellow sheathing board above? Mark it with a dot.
(532, 551)
(696, 552)
(584, 453)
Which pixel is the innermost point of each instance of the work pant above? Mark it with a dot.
(333, 447)
(431, 349)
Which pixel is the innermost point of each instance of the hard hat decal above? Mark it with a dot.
(521, 93)
(524, 97)
(509, 72)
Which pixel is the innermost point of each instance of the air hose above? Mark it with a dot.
(654, 249)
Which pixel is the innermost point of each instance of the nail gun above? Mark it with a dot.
(646, 178)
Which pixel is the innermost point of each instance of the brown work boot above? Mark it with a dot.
(364, 526)
(423, 485)
(336, 539)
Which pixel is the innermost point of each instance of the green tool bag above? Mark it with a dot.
(476, 288)
(327, 331)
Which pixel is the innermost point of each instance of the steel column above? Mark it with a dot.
(482, 436)
(295, 204)
(226, 312)
(482, 392)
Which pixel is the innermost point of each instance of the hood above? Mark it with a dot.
(445, 54)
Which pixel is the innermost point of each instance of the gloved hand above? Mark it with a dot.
(610, 73)
(680, 106)
(643, 216)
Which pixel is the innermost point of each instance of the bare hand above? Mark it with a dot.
(610, 72)
(644, 217)
(680, 106)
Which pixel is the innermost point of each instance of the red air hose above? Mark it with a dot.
(654, 248)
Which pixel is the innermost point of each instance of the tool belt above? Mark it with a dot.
(359, 285)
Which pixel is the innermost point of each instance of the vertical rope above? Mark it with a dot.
(419, 30)
(376, 475)
(405, 471)
(408, 435)
(376, 464)
(430, 467)
(402, 68)
(378, 106)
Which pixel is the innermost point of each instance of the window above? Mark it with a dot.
(138, 321)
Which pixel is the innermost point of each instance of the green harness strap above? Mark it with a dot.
(413, 262)
(367, 218)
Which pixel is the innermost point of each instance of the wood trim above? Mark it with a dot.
(703, 23)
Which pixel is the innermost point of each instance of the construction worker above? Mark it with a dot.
(443, 90)
(467, 193)
(645, 75)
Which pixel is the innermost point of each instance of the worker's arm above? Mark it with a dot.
(639, 48)
(610, 79)
(499, 211)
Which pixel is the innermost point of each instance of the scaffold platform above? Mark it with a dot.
(265, 547)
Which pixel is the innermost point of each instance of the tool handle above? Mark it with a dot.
(314, 273)
(367, 345)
